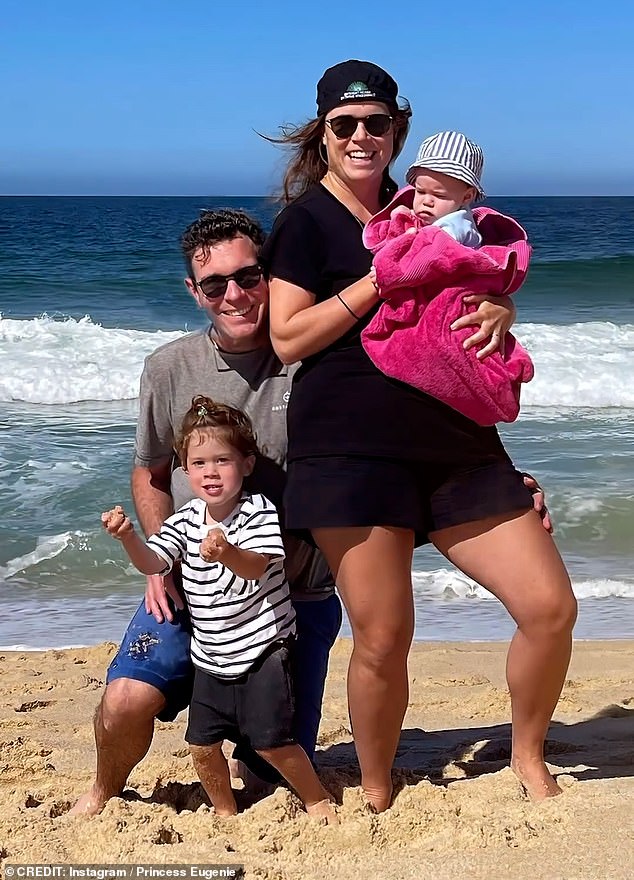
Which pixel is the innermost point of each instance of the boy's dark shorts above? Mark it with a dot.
(257, 708)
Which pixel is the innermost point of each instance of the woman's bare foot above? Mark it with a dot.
(323, 810)
(227, 811)
(536, 779)
(378, 799)
(89, 804)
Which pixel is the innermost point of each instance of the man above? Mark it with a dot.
(231, 361)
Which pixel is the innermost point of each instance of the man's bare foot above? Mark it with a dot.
(536, 779)
(325, 811)
(378, 799)
(89, 804)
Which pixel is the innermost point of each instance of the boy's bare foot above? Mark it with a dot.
(222, 801)
(89, 804)
(325, 811)
(536, 779)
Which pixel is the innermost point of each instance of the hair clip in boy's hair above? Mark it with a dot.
(202, 411)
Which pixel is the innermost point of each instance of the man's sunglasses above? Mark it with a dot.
(214, 286)
(376, 125)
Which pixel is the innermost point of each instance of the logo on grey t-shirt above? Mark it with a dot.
(281, 406)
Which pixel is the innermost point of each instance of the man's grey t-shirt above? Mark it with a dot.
(255, 382)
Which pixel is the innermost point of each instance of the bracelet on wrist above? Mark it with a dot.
(347, 307)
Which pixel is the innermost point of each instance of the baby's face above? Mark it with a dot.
(437, 195)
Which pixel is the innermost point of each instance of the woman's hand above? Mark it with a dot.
(495, 316)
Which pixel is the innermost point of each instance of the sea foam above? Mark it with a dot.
(51, 361)
(584, 365)
(43, 360)
(451, 585)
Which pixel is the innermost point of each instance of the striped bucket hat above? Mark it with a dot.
(451, 153)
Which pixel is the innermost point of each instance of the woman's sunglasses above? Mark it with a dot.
(214, 286)
(376, 125)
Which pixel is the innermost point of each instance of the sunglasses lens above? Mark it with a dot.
(378, 124)
(249, 277)
(213, 288)
(343, 126)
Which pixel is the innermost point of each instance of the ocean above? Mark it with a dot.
(90, 286)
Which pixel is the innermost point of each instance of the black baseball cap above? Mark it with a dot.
(355, 81)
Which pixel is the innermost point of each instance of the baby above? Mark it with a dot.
(446, 180)
(430, 280)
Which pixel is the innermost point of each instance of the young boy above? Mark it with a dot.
(230, 547)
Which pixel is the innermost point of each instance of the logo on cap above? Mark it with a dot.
(357, 90)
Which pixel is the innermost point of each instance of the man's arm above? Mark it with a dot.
(153, 504)
(539, 501)
(151, 495)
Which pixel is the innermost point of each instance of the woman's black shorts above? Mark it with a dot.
(258, 708)
(343, 490)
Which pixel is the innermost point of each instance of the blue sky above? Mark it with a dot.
(163, 96)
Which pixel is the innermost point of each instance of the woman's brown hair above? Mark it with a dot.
(307, 165)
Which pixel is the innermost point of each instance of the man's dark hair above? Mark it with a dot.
(213, 227)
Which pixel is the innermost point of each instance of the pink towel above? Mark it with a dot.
(423, 278)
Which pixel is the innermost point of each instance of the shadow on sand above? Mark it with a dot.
(600, 747)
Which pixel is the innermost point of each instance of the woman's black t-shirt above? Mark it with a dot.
(341, 404)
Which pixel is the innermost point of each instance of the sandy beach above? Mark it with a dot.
(458, 811)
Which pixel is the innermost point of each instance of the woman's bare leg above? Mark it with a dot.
(293, 764)
(213, 771)
(372, 569)
(517, 560)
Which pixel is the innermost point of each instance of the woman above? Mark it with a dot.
(376, 466)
